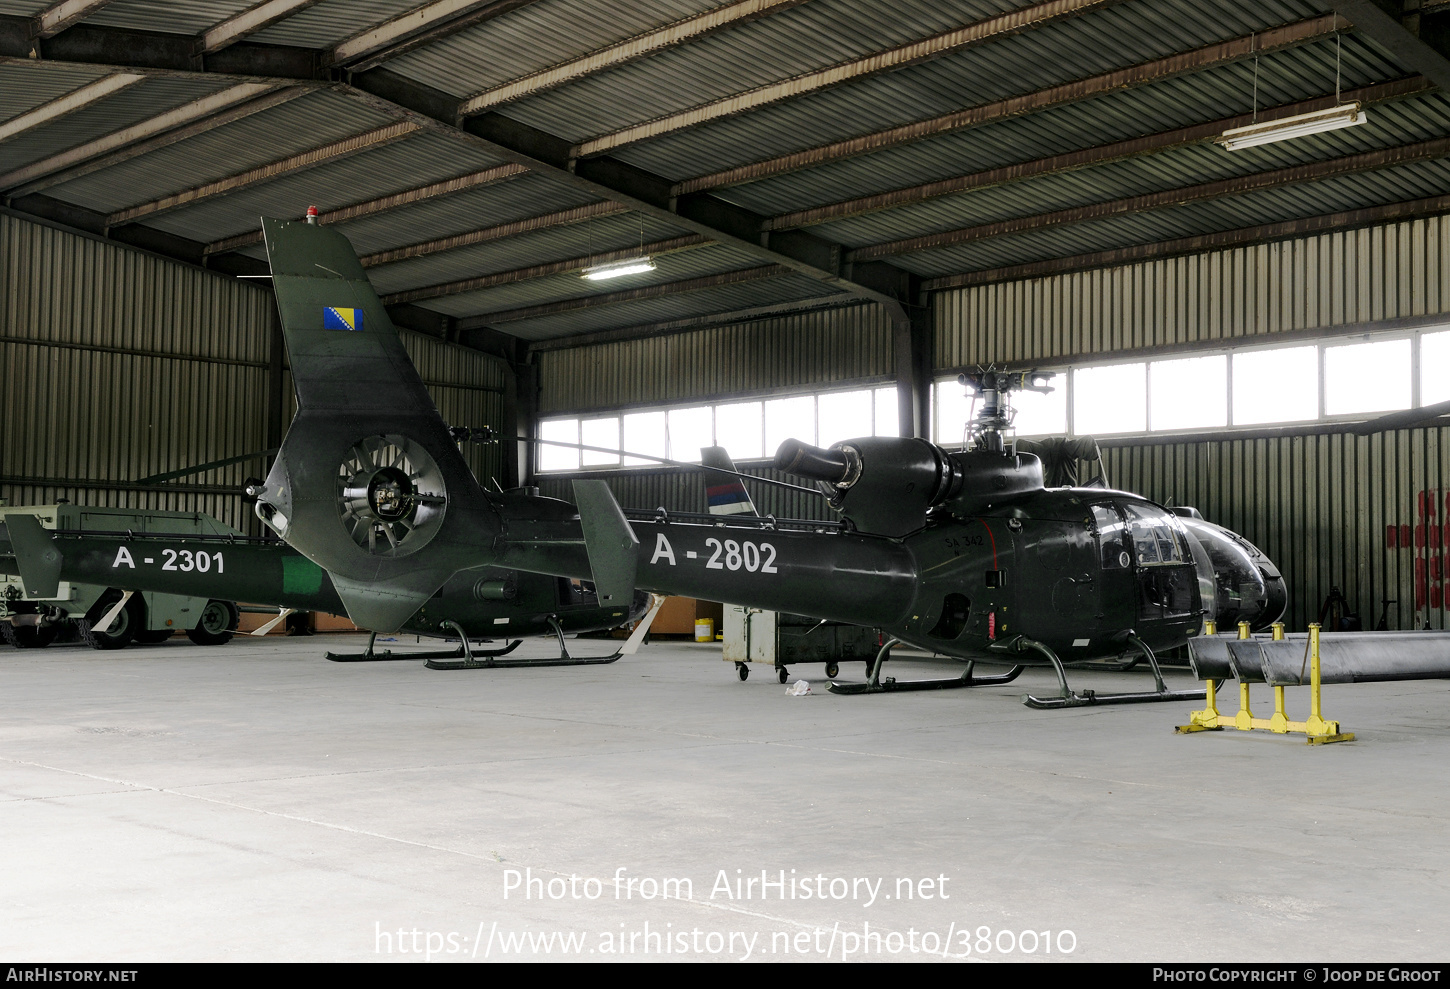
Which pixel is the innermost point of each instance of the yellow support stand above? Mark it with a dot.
(1208, 719)
(1316, 730)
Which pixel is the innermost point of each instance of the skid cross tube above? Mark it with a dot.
(370, 655)
(1088, 698)
(491, 662)
(875, 685)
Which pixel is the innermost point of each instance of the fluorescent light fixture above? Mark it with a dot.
(630, 266)
(1344, 115)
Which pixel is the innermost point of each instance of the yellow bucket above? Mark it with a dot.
(704, 630)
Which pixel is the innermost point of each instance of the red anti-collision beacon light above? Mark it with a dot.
(312, 215)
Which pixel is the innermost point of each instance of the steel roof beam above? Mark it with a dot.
(327, 154)
(402, 98)
(57, 17)
(947, 43)
(413, 29)
(1324, 223)
(630, 187)
(644, 330)
(157, 52)
(673, 245)
(474, 180)
(185, 121)
(255, 18)
(628, 50)
(1239, 185)
(574, 214)
(1133, 147)
(1371, 20)
(61, 106)
(1145, 73)
(629, 295)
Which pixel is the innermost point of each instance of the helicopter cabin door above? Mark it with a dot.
(1166, 578)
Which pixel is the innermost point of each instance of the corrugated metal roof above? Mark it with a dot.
(555, 288)
(766, 292)
(408, 164)
(535, 37)
(129, 106)
(325, 24)
(23, 8)
(1390, 125)
(191, 17)
(1057, 54)
(1284, 77)
(812, 36)
(23, 86)
(593, 236)
(1388, 185)
(781, 44)
(308, 122)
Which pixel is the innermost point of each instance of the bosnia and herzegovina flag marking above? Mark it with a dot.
(338, 318)
(728, 498)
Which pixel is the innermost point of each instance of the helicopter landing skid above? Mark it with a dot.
(875, 685)
(369, 655)
(1089, 698)
(491, 662)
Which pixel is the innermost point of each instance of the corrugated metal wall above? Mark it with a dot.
(1320, 506)
(1355, 276)
(118, 365)
(835, 345)
(1319, 503)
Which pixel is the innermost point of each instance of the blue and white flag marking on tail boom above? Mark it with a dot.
(338, 318)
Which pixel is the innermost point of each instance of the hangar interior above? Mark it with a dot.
(836, 198)
(843, 205)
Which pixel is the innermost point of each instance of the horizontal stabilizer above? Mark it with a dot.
(38, 559)
(612, 545)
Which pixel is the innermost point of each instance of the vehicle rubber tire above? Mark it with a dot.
(151, 636)
(27, 636)
(217, 623)
(122, 630)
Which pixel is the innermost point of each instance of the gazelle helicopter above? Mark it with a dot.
(966, 554)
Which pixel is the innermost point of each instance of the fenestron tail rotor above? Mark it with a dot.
(391, 495)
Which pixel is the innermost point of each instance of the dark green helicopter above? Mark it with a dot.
(964, 554)
(481, 603)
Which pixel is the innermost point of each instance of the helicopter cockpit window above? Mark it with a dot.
(1112, 538)
(1153, 535)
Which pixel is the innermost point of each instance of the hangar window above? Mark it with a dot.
(1111, 399)
(1189, 393)
(553, 457)
(748, 430)
(1278, 385)
(739, 428)
(1367, 377)
(1434, 359)
(600, 433)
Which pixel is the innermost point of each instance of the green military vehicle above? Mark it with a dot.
(27, 620)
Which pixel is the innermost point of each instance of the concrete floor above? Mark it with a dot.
(254, 802)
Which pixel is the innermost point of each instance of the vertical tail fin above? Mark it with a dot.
(368, 484)
(724, 494)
